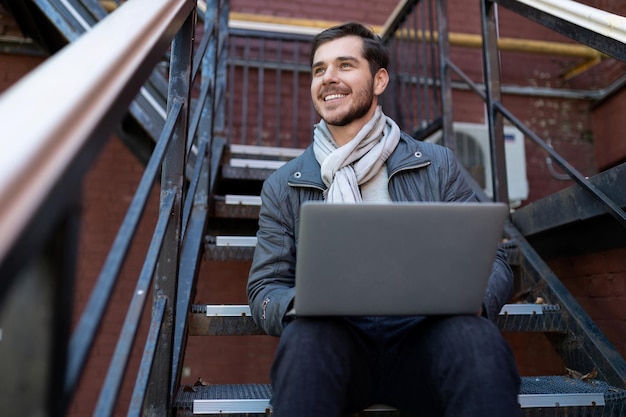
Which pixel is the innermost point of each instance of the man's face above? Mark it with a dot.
(343, 89)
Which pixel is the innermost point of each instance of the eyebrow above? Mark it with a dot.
(339, 58)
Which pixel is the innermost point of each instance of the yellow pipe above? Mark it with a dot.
(548, 48)
(287, 21)
(580, 68)
(109, 5)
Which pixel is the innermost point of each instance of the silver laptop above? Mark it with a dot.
(395, 259)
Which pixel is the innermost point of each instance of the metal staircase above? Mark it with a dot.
(221, 223)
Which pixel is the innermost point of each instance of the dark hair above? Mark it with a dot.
(373, 48)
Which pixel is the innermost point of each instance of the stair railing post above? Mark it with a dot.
(159, 396)
(491, 71)
(448, 138)
(214, 68)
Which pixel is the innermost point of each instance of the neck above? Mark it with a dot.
(344, 134)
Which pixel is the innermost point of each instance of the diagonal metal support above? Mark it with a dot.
(589, 348)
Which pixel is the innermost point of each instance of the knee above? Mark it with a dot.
(477, 345)
(473, 333)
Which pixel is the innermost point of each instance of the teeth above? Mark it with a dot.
(333, 96)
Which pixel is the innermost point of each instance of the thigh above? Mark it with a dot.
(443, 364)
(322, 367)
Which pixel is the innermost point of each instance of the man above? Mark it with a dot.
(453, 366)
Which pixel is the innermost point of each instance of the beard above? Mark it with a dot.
(360, 107)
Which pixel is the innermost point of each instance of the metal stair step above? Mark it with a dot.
(236, 241)
(222, 320)
(235, 320)
(266, 151)
(537, 318)
(236, 206)
(235, 173)
(249, 162)
(249, 200)
(255, 163)
(548, 393)
(230, 248)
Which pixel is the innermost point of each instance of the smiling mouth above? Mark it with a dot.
(333, 97)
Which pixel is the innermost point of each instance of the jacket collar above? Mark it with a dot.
(407, 155)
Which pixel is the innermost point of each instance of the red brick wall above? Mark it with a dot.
(609, 132)
(598, 281)
(565, 125)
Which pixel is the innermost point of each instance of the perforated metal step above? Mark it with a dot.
(535, 318)
(267, 151)
(557, 395)
(246, 162)
(227, 252)
(224, 320)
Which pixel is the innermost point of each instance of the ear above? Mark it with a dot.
(381, 79)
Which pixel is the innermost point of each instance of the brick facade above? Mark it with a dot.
(609, 131)
(598, 281)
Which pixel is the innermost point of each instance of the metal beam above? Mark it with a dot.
(601, 30)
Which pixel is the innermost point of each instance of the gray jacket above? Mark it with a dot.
(418, 171)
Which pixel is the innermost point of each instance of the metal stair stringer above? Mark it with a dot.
(573, 221)
(584, 347)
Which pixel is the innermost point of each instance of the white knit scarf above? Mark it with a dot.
(344, 168)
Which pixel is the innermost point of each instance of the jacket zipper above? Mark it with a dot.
(299, 185)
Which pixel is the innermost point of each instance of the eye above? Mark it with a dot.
(318, 71)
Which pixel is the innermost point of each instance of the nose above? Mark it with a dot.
(330, 75)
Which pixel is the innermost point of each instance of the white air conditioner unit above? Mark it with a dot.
(472, 148)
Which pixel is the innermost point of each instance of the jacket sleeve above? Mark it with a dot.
(500, 286)
(272, 275)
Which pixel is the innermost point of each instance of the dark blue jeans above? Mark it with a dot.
(444, 366)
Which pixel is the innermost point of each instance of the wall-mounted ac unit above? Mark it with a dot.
(472, 149)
